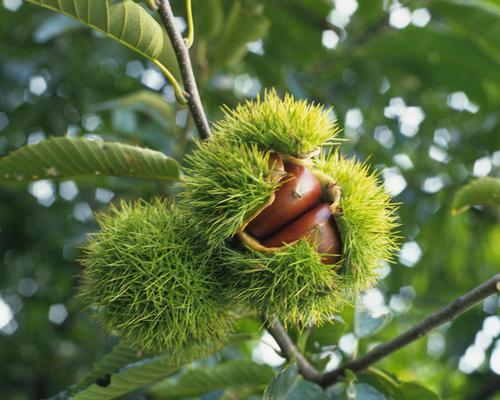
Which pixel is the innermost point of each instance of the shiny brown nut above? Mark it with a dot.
(299, 193)
(317, 225)
(329, 242)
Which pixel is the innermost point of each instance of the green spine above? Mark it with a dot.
(292, 284)
(225, 184)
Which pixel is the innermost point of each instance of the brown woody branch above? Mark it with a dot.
(448, 313)
(182, 54)
(291, 352)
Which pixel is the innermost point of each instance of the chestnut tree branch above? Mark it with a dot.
(291, 352)
(451, 311)
(182, 54)
(448, 313)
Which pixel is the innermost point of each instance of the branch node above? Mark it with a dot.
(290, 350)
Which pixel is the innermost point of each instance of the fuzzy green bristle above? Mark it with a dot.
(292, 284)
(151, 280)
(285, 125)
(225, 184)
(367, 223)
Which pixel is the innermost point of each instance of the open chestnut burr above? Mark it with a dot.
(298, 210)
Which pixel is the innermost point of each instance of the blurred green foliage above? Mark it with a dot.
(416, 87)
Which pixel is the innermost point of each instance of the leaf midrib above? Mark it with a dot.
(105, 32)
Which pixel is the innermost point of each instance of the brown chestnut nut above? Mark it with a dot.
(329, 242)
(299, 193)
(316, 225)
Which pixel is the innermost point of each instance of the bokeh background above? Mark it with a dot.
(416, 87)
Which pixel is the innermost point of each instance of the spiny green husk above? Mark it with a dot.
(285, 125)
(292, 284)
(367, 223)
(226, 182)
(164, 276)
(228, 178)
(151, 281)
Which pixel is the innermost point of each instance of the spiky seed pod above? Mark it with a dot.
(284, 125)
(367, 222)
(151, 281)
(234, 177)
(229, 177)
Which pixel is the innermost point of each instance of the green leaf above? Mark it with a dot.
(126, 22)
(476, 19)
(415, 391)
(65, 157)
(130, 379)
(355, 391)
(363, 391)
(389, 385)
(196, 382)
(245, 23)
(482, 191)
(120, 356)
(151, 103)
(288, 385)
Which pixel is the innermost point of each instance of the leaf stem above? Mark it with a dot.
(190, 25)
(152, 5)
(179, 93)
(182, 55)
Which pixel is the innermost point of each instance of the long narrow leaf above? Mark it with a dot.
(65, 157)
(231, 374)
(126, 22)
(128, 380)
(119, 357)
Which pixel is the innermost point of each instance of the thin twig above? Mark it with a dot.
(291, 352)
(451, 311)
(182, 54)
